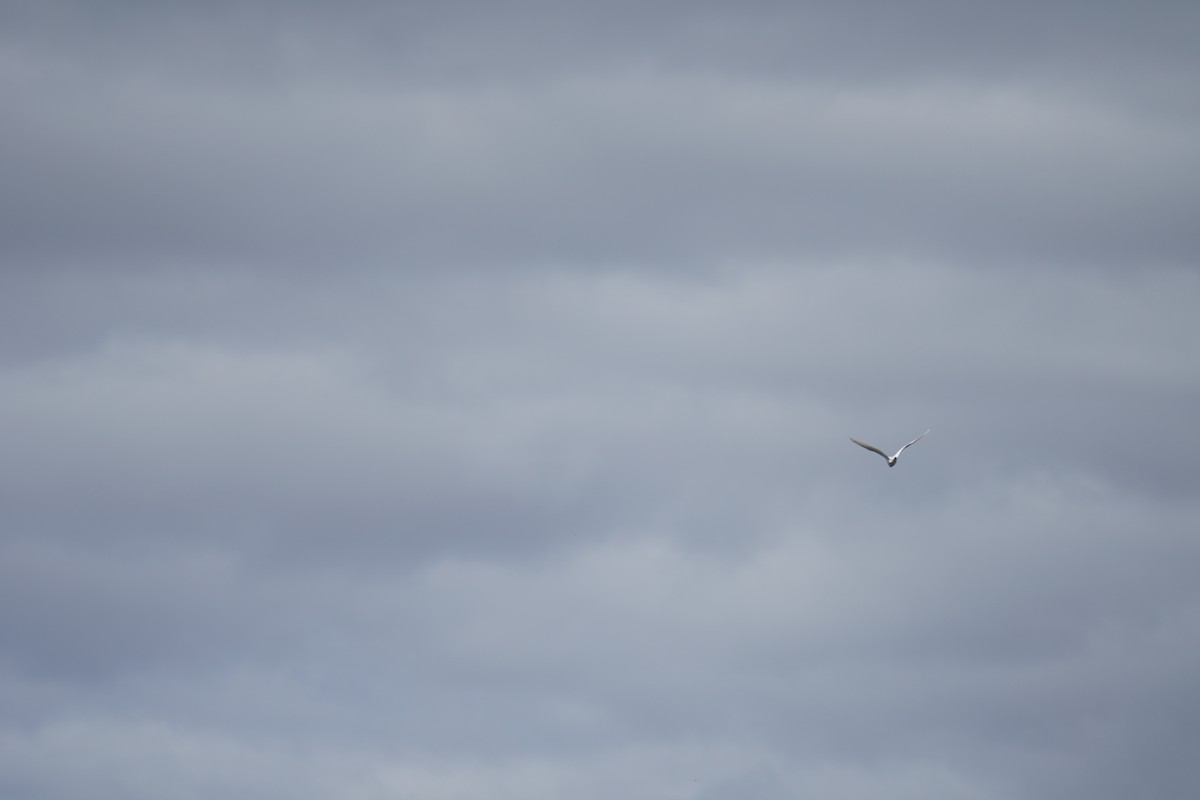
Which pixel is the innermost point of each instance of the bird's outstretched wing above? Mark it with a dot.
(869, 447)
(910, 444)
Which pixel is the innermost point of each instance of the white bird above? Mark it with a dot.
(890, 459)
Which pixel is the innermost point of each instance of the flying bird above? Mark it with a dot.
(890, 459)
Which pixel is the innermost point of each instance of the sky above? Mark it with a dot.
(452, 401)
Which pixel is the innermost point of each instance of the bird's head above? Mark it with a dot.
(891, 462)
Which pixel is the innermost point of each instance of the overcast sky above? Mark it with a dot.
(451, 400)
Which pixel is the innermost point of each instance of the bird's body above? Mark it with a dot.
(890, 459)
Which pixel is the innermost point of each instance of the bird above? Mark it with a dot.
(890, 459)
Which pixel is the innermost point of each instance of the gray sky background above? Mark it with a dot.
(451, 400)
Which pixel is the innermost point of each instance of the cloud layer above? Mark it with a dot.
(452, 401)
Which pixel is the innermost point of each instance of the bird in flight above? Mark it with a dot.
(890, 459)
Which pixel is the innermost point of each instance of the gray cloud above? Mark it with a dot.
(337, 148)
(451, 400)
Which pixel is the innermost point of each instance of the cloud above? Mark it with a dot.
(453, 401)
(628, 161)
